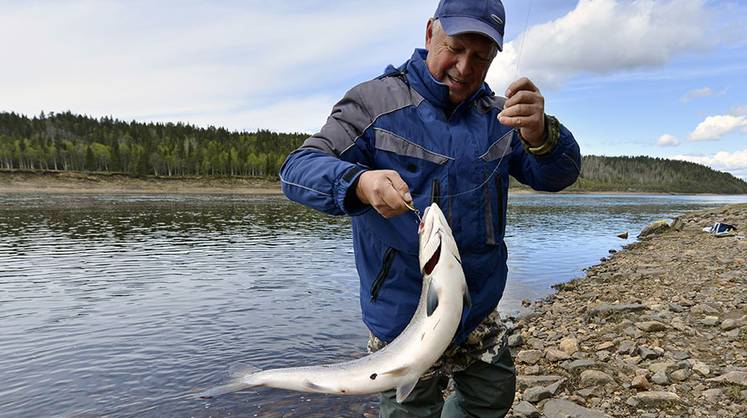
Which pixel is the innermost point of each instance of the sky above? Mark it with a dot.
(661, 78)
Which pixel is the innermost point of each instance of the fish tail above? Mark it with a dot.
(234, 386)
(242, 379)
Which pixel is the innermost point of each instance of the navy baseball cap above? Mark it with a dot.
(484, 17)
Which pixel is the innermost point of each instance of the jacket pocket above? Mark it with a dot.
(386, 265)
(391, 142)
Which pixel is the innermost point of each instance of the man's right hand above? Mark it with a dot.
(385, 191)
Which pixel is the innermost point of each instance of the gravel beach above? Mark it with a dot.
(658, 329)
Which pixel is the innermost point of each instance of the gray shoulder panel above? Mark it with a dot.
(358, 110)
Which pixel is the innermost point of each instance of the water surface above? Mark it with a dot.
(122, 304)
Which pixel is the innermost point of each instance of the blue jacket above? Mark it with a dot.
(461, 160)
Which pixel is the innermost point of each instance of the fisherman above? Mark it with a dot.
(431, 130)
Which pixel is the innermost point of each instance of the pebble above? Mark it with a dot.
(594, 378)
(569, 345)
(656, 398)
(525, 409)
(660, 378)
(554, 355)
(529, 356)
(559, 408)
(651, 326)
(640, 383)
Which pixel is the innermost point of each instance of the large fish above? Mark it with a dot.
(401, 363)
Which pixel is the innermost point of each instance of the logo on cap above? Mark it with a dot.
(497, 19)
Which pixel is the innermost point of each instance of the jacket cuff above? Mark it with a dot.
(345, 196)
(552, 135)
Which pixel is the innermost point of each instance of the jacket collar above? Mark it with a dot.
(437, 93)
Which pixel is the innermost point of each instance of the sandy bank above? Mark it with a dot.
(657, 330)
(68, 182)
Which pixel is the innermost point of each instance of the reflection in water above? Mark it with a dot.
(122, 304)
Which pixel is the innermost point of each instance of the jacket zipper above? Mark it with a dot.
(501, 211)
(435, 192)
(383, 273)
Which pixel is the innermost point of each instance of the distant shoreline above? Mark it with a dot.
(67, 182)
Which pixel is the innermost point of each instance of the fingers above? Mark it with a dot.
(524, 109)
(520, 85)
(385, 191)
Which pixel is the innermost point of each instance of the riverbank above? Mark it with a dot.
(68, 182)
(82, 183)
(656, 330)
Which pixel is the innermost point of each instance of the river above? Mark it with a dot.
(120, 305)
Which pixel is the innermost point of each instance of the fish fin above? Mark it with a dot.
(399, 371)
(466, 299)
(404, 390)
(237, 369)
(313, 387)
(432, 300)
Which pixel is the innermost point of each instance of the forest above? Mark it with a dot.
(70, 142)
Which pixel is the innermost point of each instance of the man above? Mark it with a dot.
(428, 131)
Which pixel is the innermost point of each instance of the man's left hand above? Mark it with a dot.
(525, 109)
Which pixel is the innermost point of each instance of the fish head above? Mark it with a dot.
(435, 238)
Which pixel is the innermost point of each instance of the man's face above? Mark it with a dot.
(461, 62)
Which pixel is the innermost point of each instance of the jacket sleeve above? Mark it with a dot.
(550, 172)
(320, 173)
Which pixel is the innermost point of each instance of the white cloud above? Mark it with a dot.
(667, 140)
(603, 37)
(136, 59)
(702, 92)
(739, 111)
(714, 127)
(731, 162)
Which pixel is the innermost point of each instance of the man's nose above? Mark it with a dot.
(464, 66)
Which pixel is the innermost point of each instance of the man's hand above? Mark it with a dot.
(525, 109)
(385, 191)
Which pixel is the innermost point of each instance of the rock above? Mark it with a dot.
(676, 308)
(744, 394)
(529, 356)
(558, 408)
(537, 394)
(656, 399)
(579, 364)
(660, 378)
(626, 347)
(712, 395)
(650, 326)
(729, 324)
(735, 377)
(603, 355)
(623, 235)
(654, 228)
(554, 355)
(533, 370)
(703, 308)
(701, 368)
(569, 345)
(525, 409)
(662, 367)
(680, 355)
(515, 340)
(647, 353)
(594, 378)
(680, 375)
(605, 346)
(607, 308)
(523, 382)
(640, 383)
(710, 321)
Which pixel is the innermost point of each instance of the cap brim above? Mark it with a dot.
(456, 25)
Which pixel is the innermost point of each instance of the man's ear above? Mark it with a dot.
(428, 33)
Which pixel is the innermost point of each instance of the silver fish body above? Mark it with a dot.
(401, 363)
